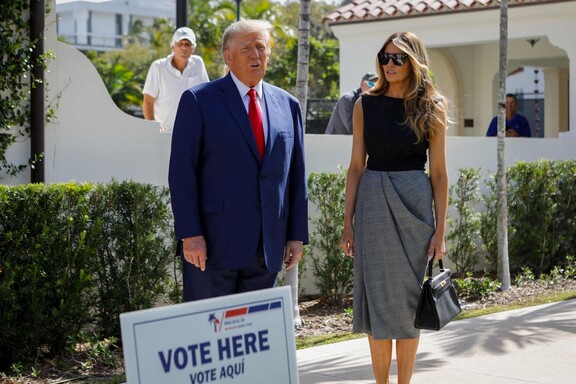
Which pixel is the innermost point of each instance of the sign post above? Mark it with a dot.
(243, 338)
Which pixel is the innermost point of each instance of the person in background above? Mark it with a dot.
(236, 174)
(340, 122)
(395, 214)
(167, 78)
(516, 125)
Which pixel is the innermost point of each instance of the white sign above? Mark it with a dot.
(243, 338)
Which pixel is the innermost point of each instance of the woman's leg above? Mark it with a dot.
(406, 357)
(381, 352)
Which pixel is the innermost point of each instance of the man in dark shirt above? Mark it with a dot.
(516, 125)
(340, 122)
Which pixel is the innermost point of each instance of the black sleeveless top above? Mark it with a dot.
(391, 145)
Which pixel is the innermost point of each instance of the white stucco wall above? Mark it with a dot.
(468, 42)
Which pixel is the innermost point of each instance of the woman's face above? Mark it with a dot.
(395, 64)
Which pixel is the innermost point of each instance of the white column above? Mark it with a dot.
(552, 99)
(564, 39)
(81, 26)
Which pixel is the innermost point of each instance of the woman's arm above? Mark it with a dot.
(439, 181)
(355, 170)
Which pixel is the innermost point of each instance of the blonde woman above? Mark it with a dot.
(395, 215)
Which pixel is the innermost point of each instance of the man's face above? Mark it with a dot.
(510, 106)
(183, 49)
(247, 57)
(367, 84)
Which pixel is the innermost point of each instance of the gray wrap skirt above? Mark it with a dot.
(393, 225)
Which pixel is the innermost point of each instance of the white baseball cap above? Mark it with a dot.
(183, 33)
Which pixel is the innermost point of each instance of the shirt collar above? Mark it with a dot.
(243, 88)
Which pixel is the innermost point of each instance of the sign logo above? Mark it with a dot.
(240, 317)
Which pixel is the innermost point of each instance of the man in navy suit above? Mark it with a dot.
(240, 212)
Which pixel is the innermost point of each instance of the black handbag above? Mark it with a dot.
(438, 303)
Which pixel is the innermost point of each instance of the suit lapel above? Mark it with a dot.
(274, 113)
(233, 101)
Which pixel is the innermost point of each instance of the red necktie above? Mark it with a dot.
(256, 121)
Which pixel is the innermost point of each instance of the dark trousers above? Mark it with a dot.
(215, 282)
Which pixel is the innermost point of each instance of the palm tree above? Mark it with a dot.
(301, 95)
(504, 265)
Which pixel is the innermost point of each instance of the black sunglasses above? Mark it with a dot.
(397, 58)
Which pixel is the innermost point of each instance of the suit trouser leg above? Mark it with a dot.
(215, 282)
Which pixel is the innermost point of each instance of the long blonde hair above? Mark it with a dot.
(425, 107)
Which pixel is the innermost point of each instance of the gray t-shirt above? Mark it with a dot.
(340, 122)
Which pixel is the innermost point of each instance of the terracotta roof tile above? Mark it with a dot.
(362, 10)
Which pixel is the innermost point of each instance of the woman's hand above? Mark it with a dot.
(347, 241)
(437, 247)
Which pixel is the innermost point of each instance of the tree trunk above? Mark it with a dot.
(301, 95)
(503, 263)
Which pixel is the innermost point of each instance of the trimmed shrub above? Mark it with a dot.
(131, 231)
(75, 256)
(531, 211)
(45, 281)
(333, 272)
(464, 242)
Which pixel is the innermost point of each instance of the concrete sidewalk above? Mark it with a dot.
(529, 345)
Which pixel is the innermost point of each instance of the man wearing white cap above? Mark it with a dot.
(167, 78)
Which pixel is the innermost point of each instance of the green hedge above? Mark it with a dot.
(541, 216)
(75, 256)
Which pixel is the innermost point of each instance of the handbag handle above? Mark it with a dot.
(431, 265)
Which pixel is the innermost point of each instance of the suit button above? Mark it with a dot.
(262, 176)
(259, 204)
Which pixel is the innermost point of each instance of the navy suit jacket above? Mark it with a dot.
(219, 186)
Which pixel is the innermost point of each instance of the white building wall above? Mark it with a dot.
(103, 32)
(473, 39)
(73, 18)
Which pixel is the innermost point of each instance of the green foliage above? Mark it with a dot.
(541, 215)
(16, 80)
(563, 231)
(95, 352)
(464, 227)
(558, 273)
(75, 256)
(333, 272)
(45, 284)
(532, 208)
(131, 231)
(473, 289)
(124, 72)
(525, 276)
(488, 224)
(570, 268)
(324, 67)
(209, 19)
(349, 312)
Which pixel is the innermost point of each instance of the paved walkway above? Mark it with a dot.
(529, 345)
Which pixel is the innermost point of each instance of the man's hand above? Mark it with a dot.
(512, 133)
(194, 249)
(292, 253)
